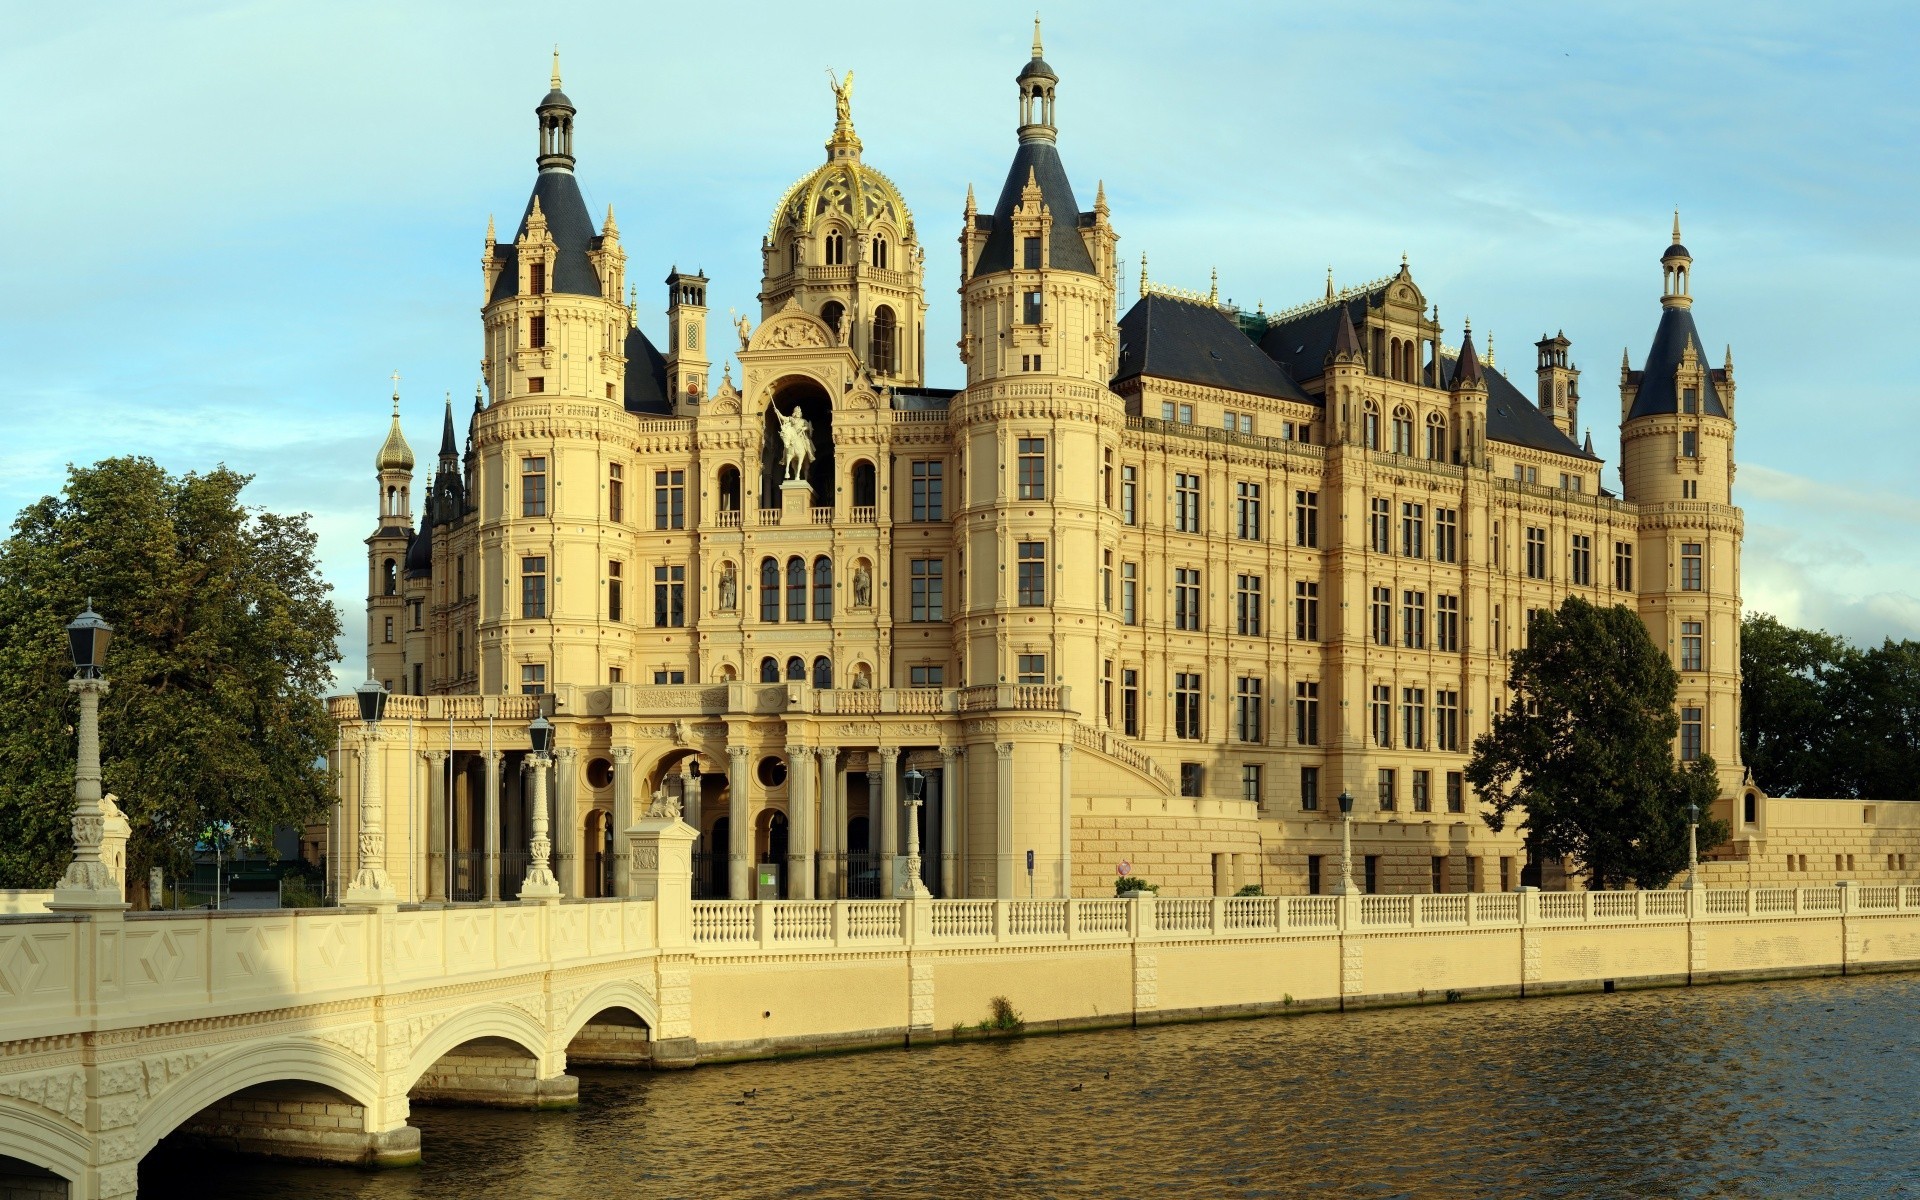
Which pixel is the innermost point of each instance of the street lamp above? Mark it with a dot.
(371, 884)
(95, 877)
(1346, 887)
(1693, 846)
(540, 886)
(913, 888)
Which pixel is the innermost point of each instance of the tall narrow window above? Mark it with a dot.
(1690, 645)
(614, 584)
(1690, 560)
(1381, 614)
(1413, 620)
(1130, 701)
(389, 636)
(1380, 521)
(769, 589)
(1246, 715)
(928, 599)
(1250, 782)
(1306, 518)
(1030, 253)
(1446, 623)
(1246, 511)
(1446, 722)
(1389, 800)
(533, 487)
(883, 359)
(1691, 724)
(796, 589)
(1306, 611)
(1456, 792)
(1030, 310)
(1306, 713)
(537, 278)
(1032, 561)
(1582, 559)
(1423, 802)
(1186, 502)
(836, 250)
(1129, 494)
(1106, 581)
(1413, 718)
(1382, 712)
(1186, 598)
(669, 499)
(1129, 593)
(616, 493)
(1536, 553)
(1402, 432)
(1247, 605)
(537, 332)
(823, 588)
(769, 670)
(929, 500)
(823, 672)
(1186, 706)
(1310, 802)
(1413, 530)
(533, 588)
(1689, 444)
(1370, 427)
(833, 313)
(1623, 566)
(1446, 534)
(880, 253)
(669, 597)
(1033, 468)
(1437, 438)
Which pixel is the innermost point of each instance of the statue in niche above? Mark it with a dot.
(862, 677)
(862, 585)
(796, 437)
(729, 588)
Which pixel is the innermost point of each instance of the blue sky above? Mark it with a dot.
(229, 222)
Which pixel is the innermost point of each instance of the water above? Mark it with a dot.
(1801, 1088)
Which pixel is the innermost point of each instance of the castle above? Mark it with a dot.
(1153, 587)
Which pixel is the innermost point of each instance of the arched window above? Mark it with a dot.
(1403, 431)
(882, 358)
(390, 578)
(823, 672)
(797, 669)
(836, 249)
(769, 670)
(769, 589)
(1406, 361)
(823, 588)
(796, 589)
(1370, 427)
(1436, 437)
(833, 312)
(880, 253)
(1393, 359)
(729, 489)
(392, 494)
(863, 490)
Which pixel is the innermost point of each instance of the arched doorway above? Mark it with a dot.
(773, 851)
(814, 404)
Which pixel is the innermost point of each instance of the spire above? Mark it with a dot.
(1330, 283)
(1213, 288)
(1676, 226)
(1037, 53)
(1346, 343)
(556, 68)
(610, 228)
(1037, 81)
(1589, 444)
(1100, 198)
(1143, 274)
(450, 445)
(556, 124)
(395, 454)
(972, 207)
(844, 142)
(490, 235)
(1466, 372)
(1491, 364)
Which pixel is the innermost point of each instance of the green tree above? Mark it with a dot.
(224, 643)
(1586, 750)
(1791, 683)
(1875, 746)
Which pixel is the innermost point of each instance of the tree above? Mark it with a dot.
(1788, 726)
(1875, 701)
(1586, 750)
(224, 642)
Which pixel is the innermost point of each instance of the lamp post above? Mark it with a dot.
(371, 884)
(1693, 847)
(540, 886)
(96, 876)
(913, 888)
(1345, 887)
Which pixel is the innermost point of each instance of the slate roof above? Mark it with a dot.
(924, 398)
(420, 551)
(1657, 394)
(646, 377)
(1067, 251)
(573, 235)
(1513, 419)
(1197, 343)
(1302, 344)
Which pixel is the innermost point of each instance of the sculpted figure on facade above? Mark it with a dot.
(842, 97)
(796, 438)
(862, 585)
(729, 588)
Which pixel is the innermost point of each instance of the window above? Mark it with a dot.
(1536, 553)
(1402, 431)
(1250, 782)
(728, 481)
(616, 493)
(1689, 400)
(1186, 706)
(863, 484)
(1033, 670)
(1446, 535)
(460, 577)
(1246, 511)
(836, 250)
(1439, 870)
(1423, 802)
(1032, 560)
(1690, 566)
(1186, 503)
(1306, 518)
(1246, 715)
(823, 672)
(1446, 623)
(1192, 774)
(669, 677)
(769, 670)
(1690, 644)
(536, 383)
(1413, 718)
(1389, 797)
(1623, 566)
(1456, 792)
(1030, 253)
(389, 636)
(1130, 702)
(1582, 560)
(537, 278)
(1382, 713)
(1413, 622)
(1413, 527)
(1186, 598)
(533, 679)
(796, 589)
(1370, 427)
(823, 588)
(1106, 479)
(460, 653)
(929, 500)
(1380, 522)
(614, 675)
(1446, 720)
(415, 606)
(1030, 309)
(669, 499)
(669, 597)
(1129, 593)
(883, 359)
(1306, 611)
(928, 600)
(533, 487)
(1033, 468)
(1381, 612)
(1306, 713)
(879, 253)
(1106, 692)
(1437, 438)
(927, 677)
(769, 590)
(1310, 797)
(1246, 605)
(797, 669)
(1129, 494)
(1526, 474)
(1186, 414)
(533, 588)
(1689, 444)
(1106, 581)
(1690, 727)
(833, 312)
(537, 332)
(614, 584)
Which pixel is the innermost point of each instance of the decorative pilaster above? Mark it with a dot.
(800, 823)
(830, 819)
(889, 816)
(1066, 820)
(949, 824)
(622, 813)
(566, 820)
(371, 884)
(491, 833)
(739, 829)
(438, 841)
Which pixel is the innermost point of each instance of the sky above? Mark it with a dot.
(230, 222)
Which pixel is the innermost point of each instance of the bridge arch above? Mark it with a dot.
(299, 1060)
(43, 1139)
(617, 993)
(504, 1021)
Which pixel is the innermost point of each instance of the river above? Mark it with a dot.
(1801, 1088)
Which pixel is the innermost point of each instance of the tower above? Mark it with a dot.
(387, 553)
(1469, 408)
(686, 338)
(1559, 383)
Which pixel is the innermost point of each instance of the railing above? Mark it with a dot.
(917, 416)
(1210, 433)
(1103, 916)
(1025, 697)
(1183, 916)
(767, 516)
(1386, 910)
(963, 919)
(863, 514)
(1037, 918)
(821, 516)
(1313, 912)
(729, 518)
(803, 921)
(442, 708)
(869, 920)
(1116, 747)
(1442, 910)
(722, 921)
(1252, 912)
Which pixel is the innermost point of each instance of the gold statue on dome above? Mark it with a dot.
(842, 97)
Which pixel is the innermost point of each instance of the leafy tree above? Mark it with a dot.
(1790, 679)
(1586, 750)
(1875, 701)
(223, 643)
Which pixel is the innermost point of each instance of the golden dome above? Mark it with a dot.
(395, 454)
(843, 187)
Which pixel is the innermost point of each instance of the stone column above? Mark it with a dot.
(1066, 820)
(949, 825)
(371, 883)
(540, 887)
(490, 830)
(889, 815)
(1006, 871)
(566, 820)
(830, 819)
(840, 847)
(438, 829)
(739, 827)
(690, 793)
(873, 807)
(622, 812)
(799, 823)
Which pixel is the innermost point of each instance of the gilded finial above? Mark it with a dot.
(1490, 361)
(1036, 35)
(1143, 274)
(396, 391)
(1329, 282)
(1213, 289)
(556, 67)
(1676, 226)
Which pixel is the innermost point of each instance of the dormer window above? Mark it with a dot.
(537, 279)
(1030, 253)
(1690, 400)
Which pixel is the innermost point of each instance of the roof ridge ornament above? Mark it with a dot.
(556, 66)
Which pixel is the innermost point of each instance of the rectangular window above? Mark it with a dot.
(1032, 560)
(1030, 310)
(1186, 598)
(1106, 691)
(1106, 581)
(669, 597)
(1689, 444)
(1456, 792)
(1313, 874)
(1030, 253)
(1310, 791)
(1129, 494)
(1413, 718)
(1130, 701)
(536, 383)
(669, 499)
(1413, 527)
(1192, 776)
(1439, 875)
(1691, 724)
(1033, 670)
(1306, 611)
(614, 675)
(927, 677)
(1413, 620)
(389, 636)
(537, 278)
(1689, 400)
(1186, 414)
(533, 487)
(1166, 411)
(929, 589)
(1247, 605)
(1623, 566)
(1446, 623)
(1446, 720)
(533, 588)
(1306, 518)
(1389, 798)
(1381, 612)
(1446, 535)
(929, 500)
(1186, 706)
(1422, 799)
(1250, 782)
(537, 332)
(669, 677)
(1129, 593)
(1246, 516)
(1247, 709)
(1033, 468)
(1306, 713)
(1380, 520)
(1186, 503)
(616, 493)
(1536, 553)
(1582, 560)
(533, 679)
(1690, 566)
(1106, 480)
(614, 586)
(1382, 713)
(1690, 645)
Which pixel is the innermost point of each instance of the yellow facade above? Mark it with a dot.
(1153, 586)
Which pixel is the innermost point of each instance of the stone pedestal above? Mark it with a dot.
(796, 502)
(660, 868)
